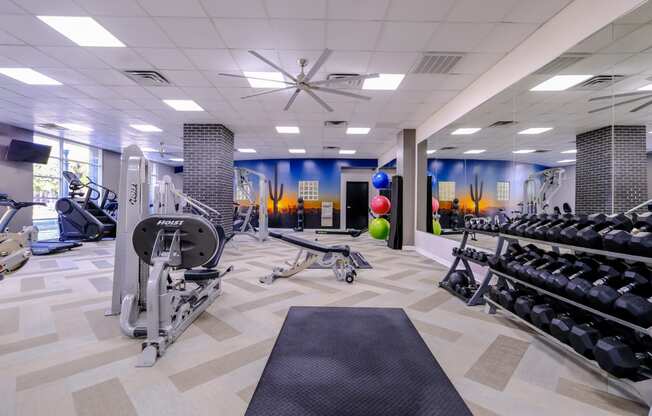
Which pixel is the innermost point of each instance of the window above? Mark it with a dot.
(309, 190)
(446, 191)
(502, 191)
(48, 183)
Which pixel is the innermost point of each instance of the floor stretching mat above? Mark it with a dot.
(353, 362)
(359, 262)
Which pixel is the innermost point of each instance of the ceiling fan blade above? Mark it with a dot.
(626, 94)
(259, 79)
(273, 65)
(344, 93)
(268, 92)
(319, 100)
(292, 98)
(606, 107)
(345, 79)
(640, 107)
(318, 64)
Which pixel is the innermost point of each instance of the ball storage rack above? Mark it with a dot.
(641, 389)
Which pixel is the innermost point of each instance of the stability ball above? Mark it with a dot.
(436, 227)
(435, 205)
(380, 205)
(380, 180)
(379, 228)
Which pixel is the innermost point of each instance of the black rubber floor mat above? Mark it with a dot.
(359, 262)
(353, 362)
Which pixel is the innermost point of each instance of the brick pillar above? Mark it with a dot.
(208, 168)
(611, 169)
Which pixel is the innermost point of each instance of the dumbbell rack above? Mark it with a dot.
(476, 298)
(643, 388)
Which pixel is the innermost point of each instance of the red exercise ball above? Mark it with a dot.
(380, 205)
(435, 205)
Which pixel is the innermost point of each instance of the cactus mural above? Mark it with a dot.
(477, 195)
(275, 195)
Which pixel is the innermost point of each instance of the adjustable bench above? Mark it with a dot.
(337, 258)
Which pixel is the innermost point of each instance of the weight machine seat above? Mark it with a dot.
(312, 245)
(194, 275)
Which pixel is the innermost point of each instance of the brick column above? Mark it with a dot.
(611, 169)
(208, 168)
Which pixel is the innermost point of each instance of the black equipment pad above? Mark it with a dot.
(311, 245)
(352, 362)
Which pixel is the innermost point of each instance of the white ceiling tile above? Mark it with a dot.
(68, 76)
(296, 9)
(7, 39)
(165, 58)
(31, 30)
(107, 77)
(7, 7)
(535, 11)
(52, 7)
(246, 33)
(422, 10)
(121, 58)
(603, 37)
(352, 35)
(187, 78)
(173, 8)
(29, 56)
(112, 7)
(405, 36)
(480, 10)
(348, 62)
(152, 104)
(636, 41)
(392, 62)
(505, 36)
(168, 92)
(248, 62)
(477, 63)
(191, 33)
(357, 10)
(211, 59)
(459, 37)
(122, 104)
(197, 93)
(229, 8)
(98, 91)
(136, 31)
(74, 55)
(133, 92)
(299, 34)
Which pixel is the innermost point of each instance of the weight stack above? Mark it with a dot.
(429, 204)
(395, 239)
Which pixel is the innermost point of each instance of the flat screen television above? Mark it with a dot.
(20, 151)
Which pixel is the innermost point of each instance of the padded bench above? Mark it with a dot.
(312, 245)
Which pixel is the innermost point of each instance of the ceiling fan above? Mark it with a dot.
(302, 82)
(638, 96)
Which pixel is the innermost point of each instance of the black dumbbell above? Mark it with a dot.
(568, 234)
(582, 266)
(641, 242)
(528, 230)
(554, 232)
(456, 250)
(494, 292)
(541, 315)
(555, 261)
(561, 325)
(543, 275)
(583, 337)
(618, 240)
(593, 235)
(523, 222)
(457, 279)
(635, 279)
(541, 232)
(523, 305)
(521, 270)
(534, 219)
(618, 358)
(609, 271)
(506, 228)
(532, 253)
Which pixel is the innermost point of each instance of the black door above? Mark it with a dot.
(357, 205)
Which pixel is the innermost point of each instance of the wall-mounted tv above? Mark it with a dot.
(20, 151)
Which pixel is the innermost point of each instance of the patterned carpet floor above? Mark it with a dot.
(59, 354)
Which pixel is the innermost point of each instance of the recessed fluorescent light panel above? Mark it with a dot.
(431, 151)
(571, 151)
(176, 159)
(146, 128)
(566, 161)
(535, 130)
(383, 82)
(347, 152)
(84, 31)
(287, 129)
(475, 151)
(28, 76)
(466, 130)
(276, 79)
(358, 130)
(247, 150)
(183, 105)
(523, 151)
(75, 127)
(560, 82)
(296, 151)
(647, 87)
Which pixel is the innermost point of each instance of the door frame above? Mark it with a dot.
(354, 175)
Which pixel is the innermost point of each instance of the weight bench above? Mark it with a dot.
(337, 258)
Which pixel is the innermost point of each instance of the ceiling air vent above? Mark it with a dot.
(51, 126)
(330, 147)
(351, 84)
(503, 123)
(560, 63)
(335, 123)
(598, 82)
(437, 63)
(147, 78)
(541, 151)
(448, 148)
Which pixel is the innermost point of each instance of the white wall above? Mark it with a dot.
(111, 170)
(16, 176)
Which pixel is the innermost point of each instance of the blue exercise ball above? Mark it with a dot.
(380, 180)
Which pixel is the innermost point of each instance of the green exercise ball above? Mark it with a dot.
(436, 227)
(379, 228)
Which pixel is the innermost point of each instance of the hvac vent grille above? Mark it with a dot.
(448, 148)
(52, 126)
(437, 63)
(350, 84)
(503, 123)
(541, 151)
(330, 147)
(598, 82)
(560, 63)
(335, 123)
(147, 78)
